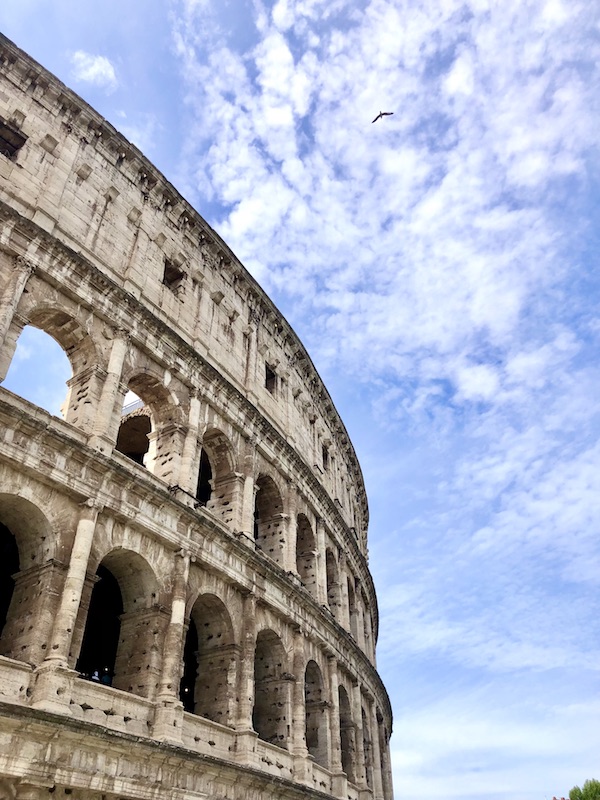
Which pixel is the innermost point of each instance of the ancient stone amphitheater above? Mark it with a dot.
(186, 609)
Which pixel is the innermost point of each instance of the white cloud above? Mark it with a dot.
(97, 70)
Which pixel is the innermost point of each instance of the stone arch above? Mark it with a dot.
(306, 553)
(30, 580)
(125, 624)
(152, 433)
(352, 608)
(367, 622)
(270, 714)
(347, 735)
(208, 682)
(83, 385)
(269, 533)
(333, 583)
(384, 744)
(367, 748)
(225, 489)
(317, 722)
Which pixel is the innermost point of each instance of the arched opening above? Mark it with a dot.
(352, 609)
(39, 371)
(269, 533)
(150, 432)
(270, 712)
(125, 624)
(135, 427)
(190, 668)
(209, 661)
(367, 749)
(366, 623)
(316, 714)
(101, 638)
(347, 735)
(31, 580)
(9, 566)
(306, 553)
(204, 487)
(333, 586)
(224, 500)
(384, 743)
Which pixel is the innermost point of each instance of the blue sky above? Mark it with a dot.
(441, 266)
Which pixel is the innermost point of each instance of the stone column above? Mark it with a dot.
(168, 718)
(299, 749)
(376, 753)
(249, 491)
(321, 564)
(246, 736)
(64, 623)
(25, 791)
(290, 564)
(339, 779)
(9, 300)
(53, 679)
(386, 767)
(188, 469)
(344, 616)
(11, 294)
(103, 422)
(360, 751)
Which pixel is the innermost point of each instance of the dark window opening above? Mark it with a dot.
(187, 686)
(102, 629)
(9, 565)
(325, 458)
(173, 276)
(204, 488)
(270, 379)
(11, 140)
(132, 440)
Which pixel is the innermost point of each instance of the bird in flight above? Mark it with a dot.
(383, 114)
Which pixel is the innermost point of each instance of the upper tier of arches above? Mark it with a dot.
(79, 180)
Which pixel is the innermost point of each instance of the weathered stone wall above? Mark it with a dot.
(206, 552)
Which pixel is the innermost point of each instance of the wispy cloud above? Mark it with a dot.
(96, 70)
(438, 257)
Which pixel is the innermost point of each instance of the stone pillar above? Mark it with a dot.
(9, 300)
(103, 421)
(25, 791)
(344, 615)
(246, 736)
(64, 622)
(289, 563)
(11, 294)
(299, 749)
(376, 753)
(386, 766)
(321, 564)
(168, 718)
(53, 684)
(339, 779)
(358, 737)
(360, 620)
(190, 456)
(249, 490)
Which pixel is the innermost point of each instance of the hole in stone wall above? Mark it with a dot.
(132, 439)
(101, 638)
(11, 139)
(9, 565)
(39, 370)
(204, 487)
(270, 379)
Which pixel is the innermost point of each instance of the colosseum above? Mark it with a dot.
(186, 609)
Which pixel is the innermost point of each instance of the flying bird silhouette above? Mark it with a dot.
(383, 114)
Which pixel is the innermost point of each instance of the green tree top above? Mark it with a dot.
(590, 791)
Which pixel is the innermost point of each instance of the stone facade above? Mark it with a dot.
(203, 553)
